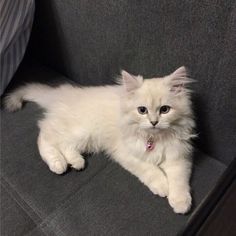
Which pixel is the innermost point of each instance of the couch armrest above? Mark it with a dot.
(219, 196)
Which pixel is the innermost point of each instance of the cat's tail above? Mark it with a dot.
(41, 94)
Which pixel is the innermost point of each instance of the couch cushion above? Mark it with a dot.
(103, 199)
(115, 203)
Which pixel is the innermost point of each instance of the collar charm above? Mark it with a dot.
(150, 145)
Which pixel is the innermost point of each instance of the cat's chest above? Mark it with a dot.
(153, 152)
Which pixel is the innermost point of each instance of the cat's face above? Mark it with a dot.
(156, 104)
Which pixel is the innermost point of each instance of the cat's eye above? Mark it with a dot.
(164, 109)
(142, 110)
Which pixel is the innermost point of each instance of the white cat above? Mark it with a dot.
(144, 125)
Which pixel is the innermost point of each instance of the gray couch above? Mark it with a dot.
(88, 42)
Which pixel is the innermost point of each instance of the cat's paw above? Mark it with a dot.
(159, 187)
(58, 166)
(180, 203)
(78, 163)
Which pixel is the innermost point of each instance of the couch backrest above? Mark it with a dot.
(90, 41)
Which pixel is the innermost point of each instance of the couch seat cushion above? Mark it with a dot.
(104, 199)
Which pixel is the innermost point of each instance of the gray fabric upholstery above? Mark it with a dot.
(103, 199)
(92, 42)
(15, 220)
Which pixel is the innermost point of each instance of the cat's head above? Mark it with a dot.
(157, 104)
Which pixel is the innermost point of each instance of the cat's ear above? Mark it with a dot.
(131, 82)
(179, 80)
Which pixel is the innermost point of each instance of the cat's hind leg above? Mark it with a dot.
(51, 155)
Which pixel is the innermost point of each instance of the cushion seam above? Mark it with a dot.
(219, 162)
(44, 225)
(6, 188)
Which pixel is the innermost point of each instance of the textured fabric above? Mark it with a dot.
(104, 199)
(116, 203)
(14, 220)
(92, 42)
(16, 18)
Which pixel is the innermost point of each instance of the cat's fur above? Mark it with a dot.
(105, 118)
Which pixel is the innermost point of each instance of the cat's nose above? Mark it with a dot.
(154, 122)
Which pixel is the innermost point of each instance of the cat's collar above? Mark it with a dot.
(150, 144)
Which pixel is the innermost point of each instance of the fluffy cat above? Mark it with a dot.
(144, 125)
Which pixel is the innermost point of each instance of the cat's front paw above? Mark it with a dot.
(58, 166)
(78, 164)
(159, 187)
(181, 203)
